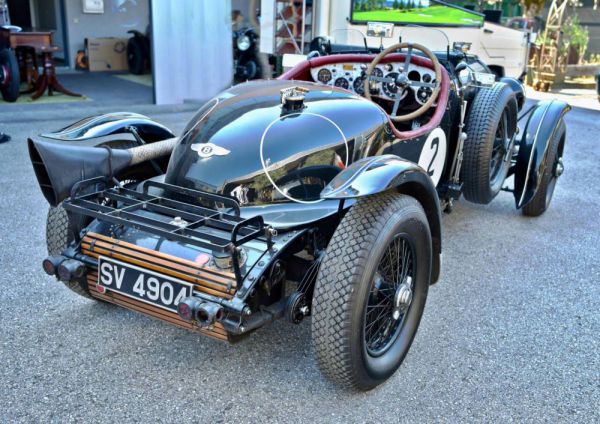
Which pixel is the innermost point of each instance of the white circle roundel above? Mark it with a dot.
(433, 155)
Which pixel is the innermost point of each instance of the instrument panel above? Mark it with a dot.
(350, 76)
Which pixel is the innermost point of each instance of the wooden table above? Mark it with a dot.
(41, 41)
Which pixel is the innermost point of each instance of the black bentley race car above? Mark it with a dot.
(316, 194)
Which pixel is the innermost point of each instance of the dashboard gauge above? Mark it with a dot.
(389, 67)
(390, 89)
(426, 78)
(414, 75)
(377, 72)
(341, 82)
(359, 86)
(324, 76)
(423, 93)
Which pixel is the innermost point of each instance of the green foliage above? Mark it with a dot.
(396, 4)
(576, 35)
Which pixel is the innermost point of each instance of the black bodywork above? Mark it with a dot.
(260, 182)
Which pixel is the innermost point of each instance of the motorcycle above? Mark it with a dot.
(245, 60)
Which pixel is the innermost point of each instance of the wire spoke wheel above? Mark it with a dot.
(500, 148)
(390, 296)
(371, 290)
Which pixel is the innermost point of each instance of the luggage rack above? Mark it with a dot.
(122, 206)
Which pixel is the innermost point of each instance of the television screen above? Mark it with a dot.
(416, 12)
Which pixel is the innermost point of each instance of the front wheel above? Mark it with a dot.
(371, 290)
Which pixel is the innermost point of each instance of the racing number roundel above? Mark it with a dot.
(433, 155)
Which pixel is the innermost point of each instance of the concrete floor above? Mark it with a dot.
(510, 333)
(101, 89)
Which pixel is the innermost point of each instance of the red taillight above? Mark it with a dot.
(51, 264)
(49, 267)
(185, 312)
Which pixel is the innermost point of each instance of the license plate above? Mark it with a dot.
(142, 284)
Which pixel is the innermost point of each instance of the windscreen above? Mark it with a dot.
(434, 39)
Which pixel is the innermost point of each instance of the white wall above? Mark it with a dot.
(114, 22)
(192, 49)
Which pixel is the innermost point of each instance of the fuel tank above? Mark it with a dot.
(250, 144)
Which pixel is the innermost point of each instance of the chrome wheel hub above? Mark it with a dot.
(560, 168)
(402, 298)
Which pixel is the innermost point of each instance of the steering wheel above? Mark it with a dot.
(402, 82)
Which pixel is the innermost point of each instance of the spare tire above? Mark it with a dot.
(9, 75)
(490, 127)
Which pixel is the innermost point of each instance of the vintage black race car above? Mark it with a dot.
(319, 193)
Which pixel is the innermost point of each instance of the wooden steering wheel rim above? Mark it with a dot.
(438, 77)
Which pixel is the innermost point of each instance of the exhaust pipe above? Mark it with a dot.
(205, 313)
(58, 167)
(208, 313)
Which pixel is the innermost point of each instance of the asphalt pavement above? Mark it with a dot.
(510, 333)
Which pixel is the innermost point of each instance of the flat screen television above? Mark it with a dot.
(414, 12)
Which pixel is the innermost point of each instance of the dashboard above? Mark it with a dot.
(351, 76)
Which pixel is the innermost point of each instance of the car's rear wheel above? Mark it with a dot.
(58, 237)
(371, 290)
(490, 127)
(553, 169)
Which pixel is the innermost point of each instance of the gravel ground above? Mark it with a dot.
(510, 333)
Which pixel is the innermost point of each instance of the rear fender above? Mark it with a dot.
(378, 174)
(533, 148)
(110, 124)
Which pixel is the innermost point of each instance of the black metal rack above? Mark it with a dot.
(204, 227)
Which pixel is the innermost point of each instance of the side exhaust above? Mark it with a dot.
(59, 166)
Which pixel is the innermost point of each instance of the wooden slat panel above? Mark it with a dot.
(167, 263)
(199, 284)
(182, 261)
(162, 314)
(218, 331)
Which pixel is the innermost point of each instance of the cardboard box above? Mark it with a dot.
(107, 54)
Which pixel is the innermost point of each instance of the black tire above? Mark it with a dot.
(58, 238)
(135, 56)
(553, 169)
(251, 69)
(10, 69)
(346, 283)
(485, 162)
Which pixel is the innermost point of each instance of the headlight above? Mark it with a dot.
(243, 42)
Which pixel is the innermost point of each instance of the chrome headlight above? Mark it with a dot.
(243, 43)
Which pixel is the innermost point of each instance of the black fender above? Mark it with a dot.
(89, 131)
(533, 148)
(518, 88)
(377, 174)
